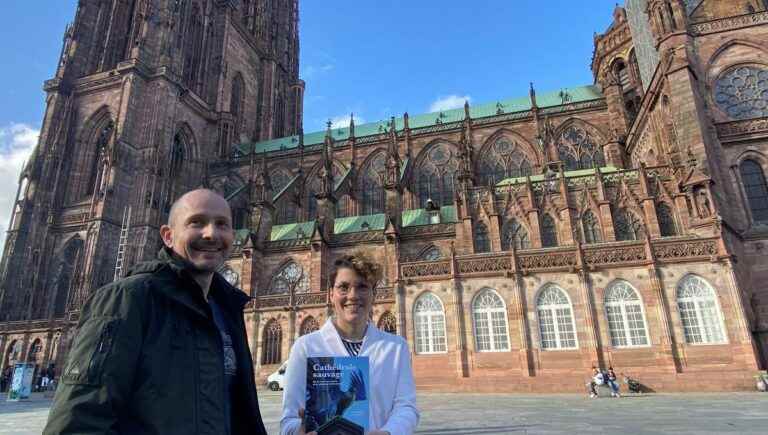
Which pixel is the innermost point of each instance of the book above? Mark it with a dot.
(337, 395)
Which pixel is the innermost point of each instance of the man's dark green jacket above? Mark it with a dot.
(147, 359)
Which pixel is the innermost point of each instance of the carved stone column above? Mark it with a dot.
(462, 359)
(593, 344)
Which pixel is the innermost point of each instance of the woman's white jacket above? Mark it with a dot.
(392, 393)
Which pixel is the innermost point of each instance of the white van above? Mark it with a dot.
(276, 379)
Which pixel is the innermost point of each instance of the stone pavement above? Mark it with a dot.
(485, 414)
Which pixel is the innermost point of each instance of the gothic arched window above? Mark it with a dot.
(290, 278)
(285, 211)
(699, 311)
(272, 345)
(388, 323)
(191, 27)
(624, 310)
(514, 234)
(436, 175)
(65, 269)
(177, 155)
(548, 232)
(755, 188)
(591, 228)
(34, 352)
(504, 159)
(236, 105)
(310, 200)
(343, 206)
(556, 324)
(627, 225)
(577, 149)
(100, 145)
(431, 254)
(12, 353)
(308, 325)
(742, 92)
(429, 324)
(666, 219)
(372, 185)
(489, 315)
(482, 241)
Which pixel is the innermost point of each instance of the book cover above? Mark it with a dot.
(337, 395)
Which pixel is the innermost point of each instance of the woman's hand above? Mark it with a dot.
(302, 431)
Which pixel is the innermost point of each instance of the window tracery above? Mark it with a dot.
(504, 159)
(429, 325)
(236, 105)
(548, 232)
(666, 219)
(273, 343)
(489, 316)
(591, 227)
(372, 185)
(100, 146)
(624, 310)
(388, 323)
(290, 278)
(482, 241)
(742, 92)
(436, 175)
(514, 234)
(431, 254)
(756, 189)
(627, 225)
(699, 311)
(308, 325)
(577, 149)
(556, 324)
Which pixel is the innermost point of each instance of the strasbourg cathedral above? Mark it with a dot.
(523, 241)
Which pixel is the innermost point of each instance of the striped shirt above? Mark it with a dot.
(353, 347)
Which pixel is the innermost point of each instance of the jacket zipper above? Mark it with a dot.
(99, 354)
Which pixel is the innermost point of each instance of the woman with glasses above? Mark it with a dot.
(392, 397)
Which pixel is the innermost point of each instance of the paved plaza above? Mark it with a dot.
(476, 414)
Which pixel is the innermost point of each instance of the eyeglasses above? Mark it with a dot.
(345, 288)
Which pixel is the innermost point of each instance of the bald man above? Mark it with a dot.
(164, 350)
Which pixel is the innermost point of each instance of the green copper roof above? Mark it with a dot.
(421, 217)
(355, 224)
(292, 231)
(522, 104)
(568, 174)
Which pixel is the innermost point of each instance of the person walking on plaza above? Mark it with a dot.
(611, 380)
(597, 380)
(349, 333)
(164, 350)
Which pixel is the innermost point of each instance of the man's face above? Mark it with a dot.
(201, 230)
(352, 298)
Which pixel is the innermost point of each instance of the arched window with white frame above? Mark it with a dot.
(626, 320)
(699, 311)
(429, 325)
(489, 316)
(556, 325)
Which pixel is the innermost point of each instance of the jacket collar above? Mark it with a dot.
(333, 339)
(178, 284)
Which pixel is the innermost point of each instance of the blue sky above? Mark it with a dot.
(376, 58)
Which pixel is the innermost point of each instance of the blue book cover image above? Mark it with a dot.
(337, 395)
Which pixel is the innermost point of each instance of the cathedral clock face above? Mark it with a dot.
(231, 276)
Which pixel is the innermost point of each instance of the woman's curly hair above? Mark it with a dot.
(358, 261)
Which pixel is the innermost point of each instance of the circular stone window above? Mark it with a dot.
(742, 92)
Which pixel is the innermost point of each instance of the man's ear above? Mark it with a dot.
(167, 235)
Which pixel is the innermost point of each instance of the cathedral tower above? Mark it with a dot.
(147, 95)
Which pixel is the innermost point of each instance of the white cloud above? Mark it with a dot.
(16, 144)
(342, 121)
(448, 102)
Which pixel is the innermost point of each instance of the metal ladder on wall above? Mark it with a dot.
(124, 229)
